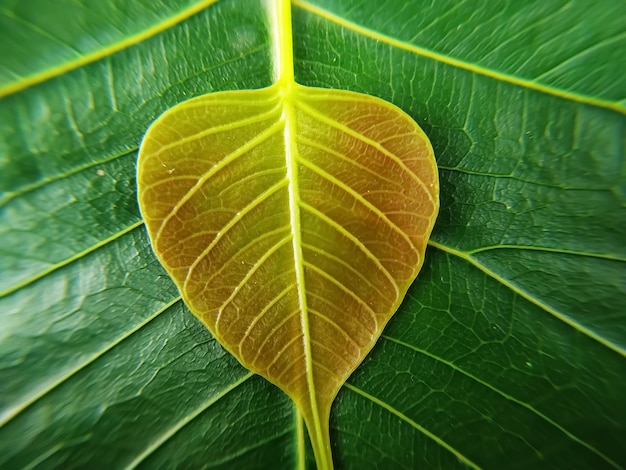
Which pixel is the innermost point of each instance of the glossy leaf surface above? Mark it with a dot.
(293, 221)
(508, 352)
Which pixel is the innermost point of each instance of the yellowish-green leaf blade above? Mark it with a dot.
(293, 221)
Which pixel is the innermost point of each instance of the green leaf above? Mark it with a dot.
(508, 352)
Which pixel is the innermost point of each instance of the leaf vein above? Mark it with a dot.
(166, 436)
(333, 353)
(525, 295)
(231, 126)
(328, 371)
(334, 324)
(258, 317)
(359, 197)
(71, 259)
(287, 345)
(32, 187)
(504, 395)
(409, 421)
(30, 401)
(323, 148)
(585, 254)
(358, 243)
(341, 286)
(214, 169)
(254, 242)
(367, 141)
(260, 262)
(359, 275)
(477, 69)
(57, 70)
(232, 222)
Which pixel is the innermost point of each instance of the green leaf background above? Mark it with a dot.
(509, 350)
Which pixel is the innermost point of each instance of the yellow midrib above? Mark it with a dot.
(280, 19)
(294, 220)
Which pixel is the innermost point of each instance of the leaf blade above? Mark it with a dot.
(452, 306)
(201, 227)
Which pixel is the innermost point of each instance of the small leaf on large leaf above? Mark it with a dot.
(293, 221)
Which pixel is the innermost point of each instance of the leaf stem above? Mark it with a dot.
(283, 43)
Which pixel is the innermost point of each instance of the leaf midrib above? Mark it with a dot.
(282, 54)
(296, 238)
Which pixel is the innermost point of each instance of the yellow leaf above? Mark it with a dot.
(293, 220)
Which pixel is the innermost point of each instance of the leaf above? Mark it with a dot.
(279, 215)
(508, 352)
(293, 220)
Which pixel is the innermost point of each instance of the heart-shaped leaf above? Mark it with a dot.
(293, 221)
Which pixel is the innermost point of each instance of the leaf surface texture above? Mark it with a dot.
(508, 352)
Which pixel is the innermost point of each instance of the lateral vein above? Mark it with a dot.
(438, 57)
